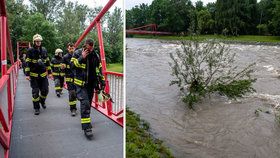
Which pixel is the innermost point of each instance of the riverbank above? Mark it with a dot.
(243, 39)
(139, 142)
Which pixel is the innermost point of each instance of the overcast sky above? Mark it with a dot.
(94, 3)
(131, 3)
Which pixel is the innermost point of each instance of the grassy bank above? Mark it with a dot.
(139, 142)
(116, 67)
(243, 38)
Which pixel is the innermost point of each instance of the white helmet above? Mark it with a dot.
(57, 51)
(37, 37)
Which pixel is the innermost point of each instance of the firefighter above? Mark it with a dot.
(37, 69)
(88, 78)
(57, 72)
(69, 77)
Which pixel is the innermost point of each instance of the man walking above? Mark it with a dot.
(87, 78)
(37, 69)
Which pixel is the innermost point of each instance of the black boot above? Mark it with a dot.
(73, 112)
(58, 94)
(36, 111)
(88, 133)
(43, 104)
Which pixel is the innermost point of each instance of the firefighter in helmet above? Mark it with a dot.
(69, 78)
(88, 79)
(37, 69)
(57, 72)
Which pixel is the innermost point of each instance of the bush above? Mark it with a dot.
(205, 68)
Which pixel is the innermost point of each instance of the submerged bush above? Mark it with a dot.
(204, 68)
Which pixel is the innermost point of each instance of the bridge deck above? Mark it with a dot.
(55, 133)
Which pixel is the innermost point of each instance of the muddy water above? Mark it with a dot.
(218, 127)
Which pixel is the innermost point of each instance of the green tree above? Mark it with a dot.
(17, 13)
(199, 5)
(49, 8)
(276, 17)
(137, 16)
(37, 23)
(115, 35)
(204, 68)
(205, 22)
(237, 16)
(71, 22)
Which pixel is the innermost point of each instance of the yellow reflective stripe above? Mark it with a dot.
(56, 65)
(27, 59)
(33, 74)
(78, 82)
(100, 65)
(43, 74)
(49, 68)
(62, 74)
(85, 120)
(27, 69)
(103, 78)
(72, 103)
(69, 79)
(48, 59)
(76, 63)
(68, 66)
(44, 97)
(55, 74)
(35, 99)
(57, 88)
(34, 61)
(97, 70)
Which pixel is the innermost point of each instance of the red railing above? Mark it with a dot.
(105, 108)
(8, 82)
(114, 110)
(150, 29)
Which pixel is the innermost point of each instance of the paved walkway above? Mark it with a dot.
(55, 133)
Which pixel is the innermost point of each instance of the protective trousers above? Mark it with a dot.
(58, 84)
(39, 85)
(72, 95)
(85, 95)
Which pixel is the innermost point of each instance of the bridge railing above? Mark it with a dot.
(113, 109)
(8, 84)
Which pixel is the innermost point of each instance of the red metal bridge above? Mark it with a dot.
(54, 133)
(150, 29)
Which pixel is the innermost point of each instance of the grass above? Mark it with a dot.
(139, 142)
(241, 38)
(115, 67)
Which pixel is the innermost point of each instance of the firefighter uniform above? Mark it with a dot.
(69, 78)
(37, 66)
(87, 78)
(58, 73)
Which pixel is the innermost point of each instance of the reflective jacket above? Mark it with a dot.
(87, 71)
(56, 66)
(37, 62)
(69, 74)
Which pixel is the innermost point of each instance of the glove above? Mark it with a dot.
(100, 96)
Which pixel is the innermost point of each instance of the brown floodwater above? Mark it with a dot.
(218, 128)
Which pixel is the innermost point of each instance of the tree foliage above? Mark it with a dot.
(36, 23)
(204, 68)
(115, 35)
(60, 22)
(230, 17)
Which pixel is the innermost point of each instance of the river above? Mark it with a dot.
(218, 128)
